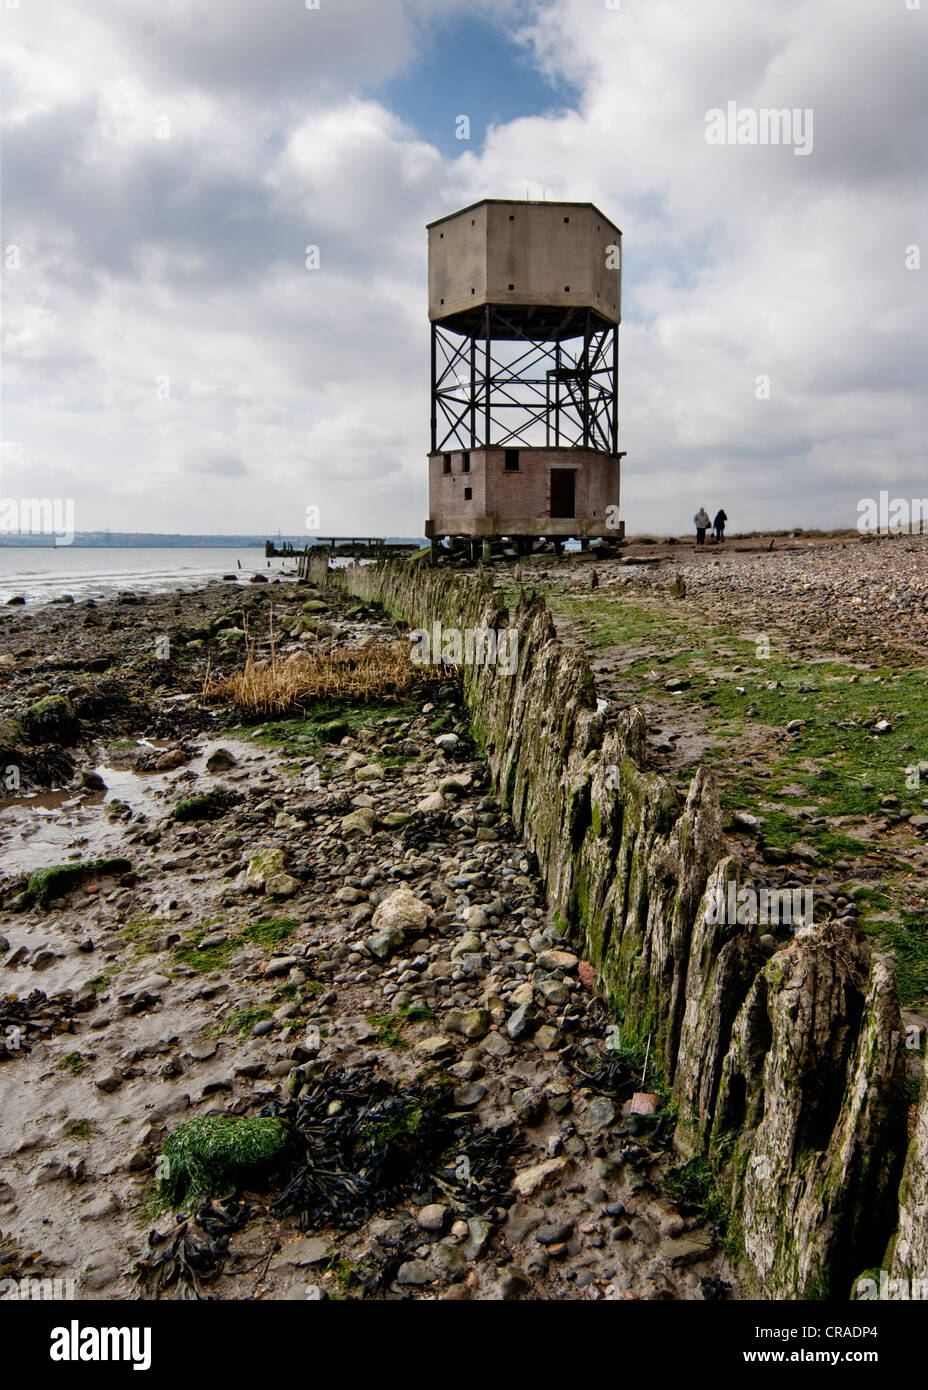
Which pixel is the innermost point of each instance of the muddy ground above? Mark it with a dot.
(346, 933)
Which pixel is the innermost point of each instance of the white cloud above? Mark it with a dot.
(184, 256)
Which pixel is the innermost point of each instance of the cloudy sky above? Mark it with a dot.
(171, 364)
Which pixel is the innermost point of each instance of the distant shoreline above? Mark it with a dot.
(132, 540)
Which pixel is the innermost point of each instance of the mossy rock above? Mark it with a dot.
(212, 1155)
(12, 734)
(53, 720)
(315, 605)
(45, 885)
(208, 806)
(334, 731)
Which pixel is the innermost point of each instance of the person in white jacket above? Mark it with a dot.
(702, 522)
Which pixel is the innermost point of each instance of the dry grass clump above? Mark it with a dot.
(277, 686)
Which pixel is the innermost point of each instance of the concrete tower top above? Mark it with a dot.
(537, 259)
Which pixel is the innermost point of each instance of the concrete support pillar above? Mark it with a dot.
(487, 552)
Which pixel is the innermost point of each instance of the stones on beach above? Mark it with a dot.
(264, 865)
(403, 911)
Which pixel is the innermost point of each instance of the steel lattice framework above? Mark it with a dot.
(500, 384)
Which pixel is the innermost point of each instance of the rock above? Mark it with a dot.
(546, 1038)
(52, 1171)
(433, 1217)
(435, 1046)
(555, 1234)
(265, 865)
(599, 1114)
(469, 1095)
(684, 1250)
(282, 886)
(108, 1082)
(359, 822)
(447, 741)
(449, 1261)
(213, 938)
(557, 960)
(404, 911)
(433, 802)
(416, 1273)
(522, 1022)
(470, 1023)
(99, 1209)
(554, 992)
(173, 757)
(530, 1180)
(383, 944)
(467, 945)
(478, 1237)
(220, 760)
(280, 965)
(99, 1276)
(311, 1250)
(529, 1105)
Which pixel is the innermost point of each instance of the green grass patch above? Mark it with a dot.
(46, 885)
(72, 1062)
(270, 931)
(407, 1121)
(207, 958)
(387, 1028)
(242, 1021)
(212, 1155)
(208, 806)
(81, 1129)
(140, 935)
(695, 1182)
(328, 722)
(907, 940)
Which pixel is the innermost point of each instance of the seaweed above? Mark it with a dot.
(192, 1253)
(46, 885)
(209, 806)
(209, 1156)
(361, 1143)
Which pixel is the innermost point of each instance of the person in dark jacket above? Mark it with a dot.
(718, 525)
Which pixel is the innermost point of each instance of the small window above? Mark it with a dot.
(441, 236)
(567, 289)
(512, 461)
(512, 287)
(441, 301)
(472, 222)
(512, 217)
(465, 462)
(472, 290)
(446, 463)
(566, 219)
(468, 493)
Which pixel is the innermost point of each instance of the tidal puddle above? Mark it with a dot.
(58, 826)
